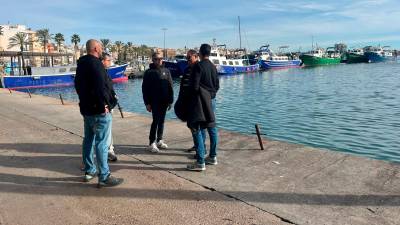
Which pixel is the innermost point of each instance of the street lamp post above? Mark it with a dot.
(164, 52)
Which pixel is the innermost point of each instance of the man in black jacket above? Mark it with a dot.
(204, 85)
(158, 97)
(96, 99)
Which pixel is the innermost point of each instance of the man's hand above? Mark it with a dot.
(169, 107)
(106, 110)
(148, 107)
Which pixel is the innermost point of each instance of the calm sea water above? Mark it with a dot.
(350, 108)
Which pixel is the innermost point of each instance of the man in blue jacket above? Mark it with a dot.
(96, 99)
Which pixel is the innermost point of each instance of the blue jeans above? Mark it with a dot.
(199, 139)
(97, 131)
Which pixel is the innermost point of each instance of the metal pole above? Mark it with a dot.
(62, 101)
(259, 137)
(240, 35)
(29, 93)
(10, 91)
(164, 54)
(120, 110)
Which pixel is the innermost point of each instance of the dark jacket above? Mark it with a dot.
(93, 86)
(157, 86)
(204, 85)
(183, 100)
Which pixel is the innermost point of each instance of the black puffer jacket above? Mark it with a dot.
(93, 86)
(157, 86)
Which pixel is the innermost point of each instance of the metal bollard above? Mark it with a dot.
(120, 110)
(259, 137)
(62, 100)
(29, 93)
(10, 91)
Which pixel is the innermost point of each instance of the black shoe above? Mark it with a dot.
(112, 157)
(110, 182)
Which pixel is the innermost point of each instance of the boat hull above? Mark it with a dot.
(272, 64)
(374, 57)
(39, 81)
(356, 58)
(176, 68)
(318, 61)
(227, 70)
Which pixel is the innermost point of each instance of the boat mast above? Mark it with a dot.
(240, 35)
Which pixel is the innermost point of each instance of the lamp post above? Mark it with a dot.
(164, 52)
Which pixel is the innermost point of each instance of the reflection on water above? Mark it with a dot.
(352, 108)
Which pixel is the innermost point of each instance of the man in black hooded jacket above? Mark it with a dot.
(158, 97)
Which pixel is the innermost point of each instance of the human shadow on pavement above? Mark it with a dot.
(70, 186)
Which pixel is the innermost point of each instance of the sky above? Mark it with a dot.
(190, 23)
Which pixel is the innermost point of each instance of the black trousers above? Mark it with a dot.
(157, 126)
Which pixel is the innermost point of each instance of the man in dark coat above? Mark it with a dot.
(158, 97)
(204, 85)
(96, 100)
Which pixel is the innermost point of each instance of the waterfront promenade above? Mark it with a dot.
(40, 180)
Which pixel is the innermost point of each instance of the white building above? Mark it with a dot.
(11, 30)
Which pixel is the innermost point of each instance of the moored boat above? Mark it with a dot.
(320, 57)
(378, 54)
(356, 56)
(270, 60)
(55, 76)
(176, 66)
(230, 66)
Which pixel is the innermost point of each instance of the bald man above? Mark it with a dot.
(96, 99)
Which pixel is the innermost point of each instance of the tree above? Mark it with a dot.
(75, 39)
(118, 47)
(59, 39)
(19, 39)
(1, 30)
(129, 49)
(44, 37)
(106, 43)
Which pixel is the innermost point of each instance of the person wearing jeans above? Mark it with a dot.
(96, 100)
(204, 85)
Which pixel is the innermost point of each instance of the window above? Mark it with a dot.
(62, 70)
(224, 62)
(72, 69)
(236, 63)
(230, 63)
(213, 54)
(216, 61)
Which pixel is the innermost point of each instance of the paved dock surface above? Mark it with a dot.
(40, 180)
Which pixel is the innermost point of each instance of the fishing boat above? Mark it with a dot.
(321, 57)
(226, 66)
(54, 76)
(356, 55)
(176, 66)
(378, 54)
(270, 60)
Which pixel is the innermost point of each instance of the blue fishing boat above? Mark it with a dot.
(270, 60)
(230, 66)
(54, 76)
(176, 66)
(378, 54)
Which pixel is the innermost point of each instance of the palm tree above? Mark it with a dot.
(44, 37)
(75, 39)
(118, 47)
(59, 39)
(106, 43)
(19, 39)
(1, 30)
(129, 49)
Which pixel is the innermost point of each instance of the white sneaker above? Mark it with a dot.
(153, 148)
(162, 145)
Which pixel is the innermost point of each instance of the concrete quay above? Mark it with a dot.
(40, 180)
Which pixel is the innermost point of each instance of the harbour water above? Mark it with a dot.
(351, 108)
